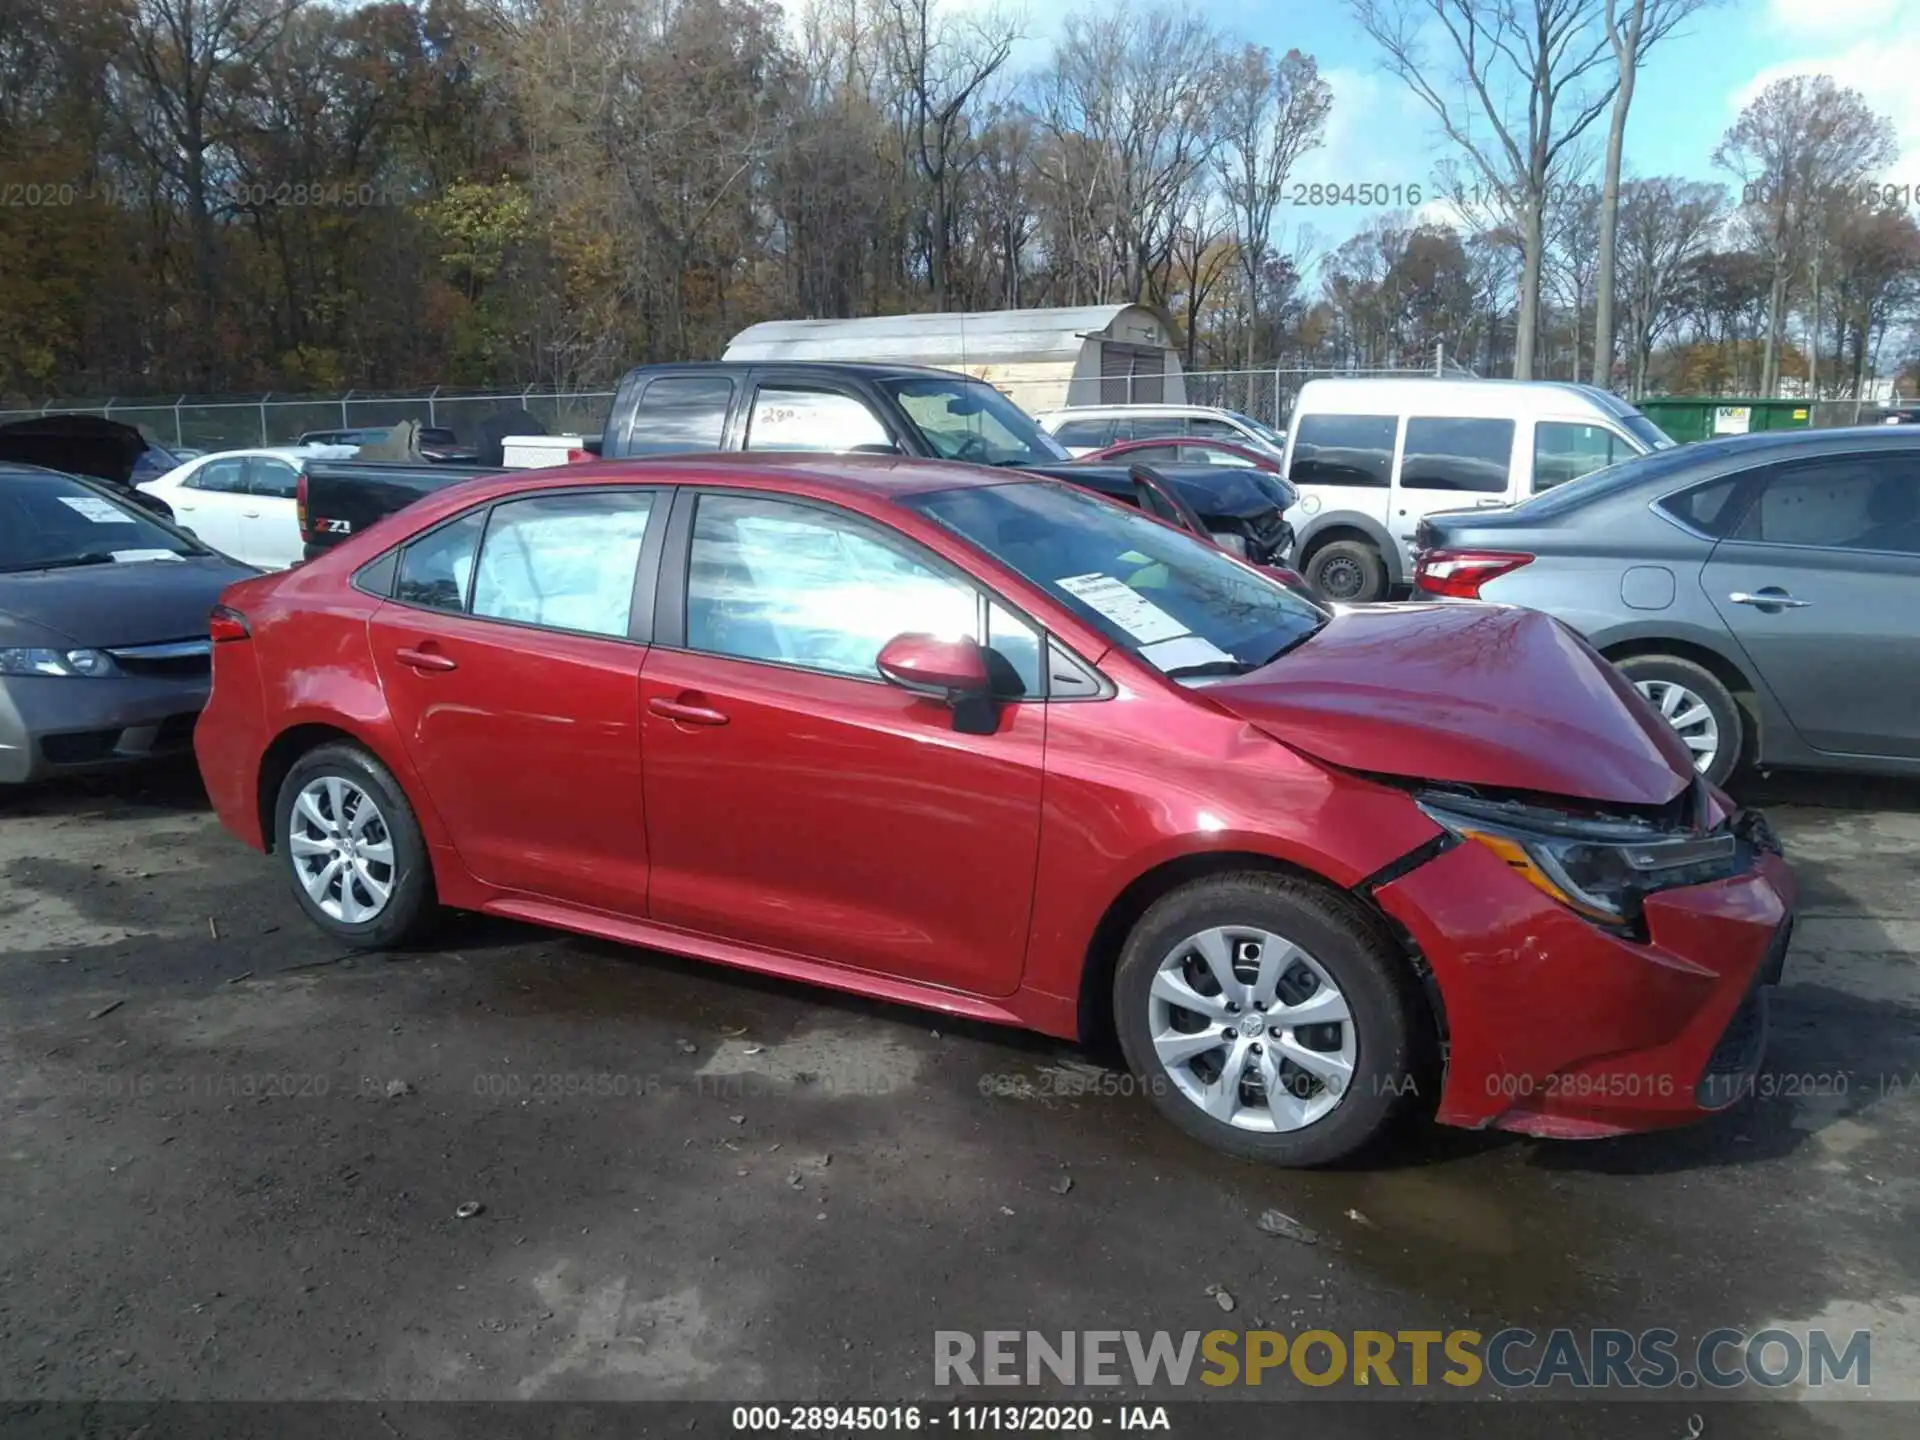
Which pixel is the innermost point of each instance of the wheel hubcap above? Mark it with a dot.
(342, 850)
(1252, 1029)
(1340, 579)
(1689, 716)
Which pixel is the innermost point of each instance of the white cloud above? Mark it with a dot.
(1832, 17)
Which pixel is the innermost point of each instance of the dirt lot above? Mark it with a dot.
(234, 1160)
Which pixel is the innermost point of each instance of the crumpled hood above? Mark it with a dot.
(1489, 695)
(143, 603)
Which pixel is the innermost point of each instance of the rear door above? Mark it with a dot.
(1818, 583)
(1449, 463)
(212, 500)
(510, 652)
(269, 526)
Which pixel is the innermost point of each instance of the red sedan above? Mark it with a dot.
(992, 745)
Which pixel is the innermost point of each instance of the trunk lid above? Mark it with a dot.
(1470, 694)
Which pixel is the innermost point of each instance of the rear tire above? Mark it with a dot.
(1350, 572)
(1680, 690)
(353, 849)
(1324, 1008)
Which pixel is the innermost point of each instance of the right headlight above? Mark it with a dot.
(81, 664)
(1601, 869)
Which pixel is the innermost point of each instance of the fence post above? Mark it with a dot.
(179, 435)
(344, 423)
(432, 418)
(264, 441)
(1439, 359)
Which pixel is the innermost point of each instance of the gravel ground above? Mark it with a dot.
(236, 1160)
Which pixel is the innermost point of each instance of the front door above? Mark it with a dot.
(799, 803)
(1819, 583)
(270, 523)
(512, 666)
(1449, 463)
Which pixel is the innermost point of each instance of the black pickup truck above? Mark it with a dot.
(887, 409)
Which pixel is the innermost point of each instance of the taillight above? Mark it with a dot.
(574, 457)
(1459, 574)
(227, 623)
(300, 506)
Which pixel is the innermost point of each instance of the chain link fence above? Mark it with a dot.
(230, 422)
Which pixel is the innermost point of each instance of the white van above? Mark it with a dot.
(1370, 458)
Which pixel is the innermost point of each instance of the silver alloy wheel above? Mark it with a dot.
(1690, 717)
(342, 850)
(1252, 1029)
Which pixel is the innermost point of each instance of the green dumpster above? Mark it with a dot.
(1701, 417)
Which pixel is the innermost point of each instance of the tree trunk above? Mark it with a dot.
(1527, 323)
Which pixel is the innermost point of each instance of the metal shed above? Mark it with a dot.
(1042, 359)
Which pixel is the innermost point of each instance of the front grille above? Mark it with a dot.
(174, 660)
(81, 747)
(1736, 1059)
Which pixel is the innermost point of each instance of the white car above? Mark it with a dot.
(1082, 428)
(242, 502)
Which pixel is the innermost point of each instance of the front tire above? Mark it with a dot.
(1701, 710)
(1269, 1018)
(353, 850)
(1350, 572)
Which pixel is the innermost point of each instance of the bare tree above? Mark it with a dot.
(1270, 114)
(1631, 33)
(942, 62)
(1528, 71)
(1665, 226)
(182, 55)
(1802, 137)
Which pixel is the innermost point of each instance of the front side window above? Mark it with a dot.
(680, 414)
(1214, 429)
(1158, 427)
(1172, 599)
(1850, 502)
(563, 561)
(1564, 451)
(798, 585)
(790, 418)
(1213, 455)
(435, 569)
(274, 479)
(1344, 450)
(1450, 454)
(1086, 434)
(969, 420)
(223, 477)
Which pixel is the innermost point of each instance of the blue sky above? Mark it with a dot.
(1690, 91)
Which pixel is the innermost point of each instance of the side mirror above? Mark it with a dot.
(945, 669)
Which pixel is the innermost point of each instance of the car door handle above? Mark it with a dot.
(685, 713)
(424, 660)
(1769, 600)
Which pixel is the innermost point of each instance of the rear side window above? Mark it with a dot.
(678, 414)
(226, 477)
(273, 478)
(1091, 433)
(563, 561)
(435, 569)
(796, 419)
(1564, 451)
(1158, 427)
(1450, 454)
(1343, 450)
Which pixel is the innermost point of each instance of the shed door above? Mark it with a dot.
(1132, 374)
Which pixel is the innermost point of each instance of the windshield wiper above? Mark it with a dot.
(1294, 644)
(1210, 667)
(65, 562)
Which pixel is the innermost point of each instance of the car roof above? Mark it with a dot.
(883, 477)
(1508, 397)
(862, 369)
(1142, 408)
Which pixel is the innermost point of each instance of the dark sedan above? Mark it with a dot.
(103, 627)
(1760, 591)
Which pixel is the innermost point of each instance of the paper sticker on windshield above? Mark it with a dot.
(129, 557)
(1124, 606)
(1184, 650)
(96, 510)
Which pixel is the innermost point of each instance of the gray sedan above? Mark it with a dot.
(104, 655)
(1763, 592)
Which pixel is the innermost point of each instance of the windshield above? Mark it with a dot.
(969, 420)
(1646, 432)
(1266, 432)
(50, 521)
(1175, 601)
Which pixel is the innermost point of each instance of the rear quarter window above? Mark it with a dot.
(1711, 509)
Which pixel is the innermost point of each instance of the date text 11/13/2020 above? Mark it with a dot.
(959, 1419)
